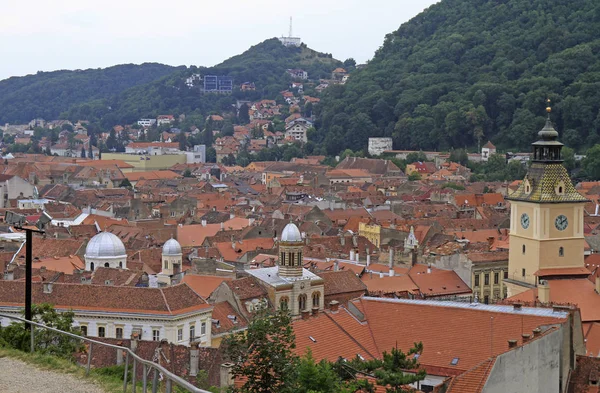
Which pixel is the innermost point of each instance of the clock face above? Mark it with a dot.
(524, 220)
(561, 223)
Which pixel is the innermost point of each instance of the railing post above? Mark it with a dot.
(133, 376)
(155, 381)
(32, 332)
(144, 378)
(125, 374)
(89, 360)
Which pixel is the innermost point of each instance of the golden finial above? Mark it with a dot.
(548, 108)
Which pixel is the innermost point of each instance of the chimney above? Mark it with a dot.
(334, 306)
(342, 239)
(336, 265)
(526, 337)
(429, 268)
(368, 260)
(226, 376)
(203, 223)
(250, 222)
(194, 361)
(305, 314)
(47, 287)
(357, 256)
(231, 215)
(544, 292)
(391, 259)
(512, 343)
(537, 332)
(381, 275)
(351, 255)
(222, 226)
(413, 254)
(517, 306)
(315, 311)
(598, 284)
(43, 269)
(392, 272)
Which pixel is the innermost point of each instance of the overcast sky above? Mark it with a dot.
(42, 35)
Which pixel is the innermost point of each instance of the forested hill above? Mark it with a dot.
(264, 64)
(47, 94)
(469, 70)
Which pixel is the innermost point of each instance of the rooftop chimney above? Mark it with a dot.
(342, 239)
(391, 258)
(544, 292)
(537, 332)
(334, 306)
(336, 265)
(315, 311)
(222, 226)
(368, 259)
(203, 223)
(351, 255)
(429, 269)
(512, 343)
(526, 337)
(305, 314)
(357, 254)
(392, 272)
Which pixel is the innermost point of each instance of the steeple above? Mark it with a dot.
(547, 148)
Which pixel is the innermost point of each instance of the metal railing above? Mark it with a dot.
(147, 365)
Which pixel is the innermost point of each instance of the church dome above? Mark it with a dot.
(105, 245)
(291, 233)
(171, 247)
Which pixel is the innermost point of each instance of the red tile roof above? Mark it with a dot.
(203, 285)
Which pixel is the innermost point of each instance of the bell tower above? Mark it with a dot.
(546, 221)
(290, 252)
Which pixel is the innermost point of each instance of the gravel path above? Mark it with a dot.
(19, 377)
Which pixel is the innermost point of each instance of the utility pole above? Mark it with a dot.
(28, 267)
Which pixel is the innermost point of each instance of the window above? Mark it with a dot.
(316, 299)
(496, 278)
(486, 299)
(121, 265)
(506, 275)
(166, 264)
(203, 329)
(92, 266)
(106, 264)
(101, 331)
(523, 249)
(284, 303)
(486, 279)
(155, 335)
(523, 273)
(179, 334)
(119, 332)
(301, 302)
(561, 252)
(477, 280)
(83, 329)
(192, 332)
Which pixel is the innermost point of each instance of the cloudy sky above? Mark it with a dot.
(42, 35)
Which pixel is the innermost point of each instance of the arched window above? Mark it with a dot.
(284, 303)
(302, 302)
(166, 264)
(560, 190)
(561, 252)
(523, 249)
(316, 299)
(106, 264)
(92, 266)
(121, 264)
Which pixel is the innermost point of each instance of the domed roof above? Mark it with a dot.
(105, 245)
(171, 247)
(291, 233)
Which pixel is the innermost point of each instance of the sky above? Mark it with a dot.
(42, 35)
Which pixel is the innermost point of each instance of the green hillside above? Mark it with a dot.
(264, 64)
(465, 71)
(47, 94)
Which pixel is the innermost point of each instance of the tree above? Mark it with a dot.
(414, 176)
(243, 114)
(187, 173)
(227, 129)
(460, 156)
(262, 355)
(111, 141)
(182, 139)
(415, 157)
(591, 163)
(316, 376)
(349, 63)
(126, 184)
(257, 132)
(568, 156)
(308, 110)
(46, 341)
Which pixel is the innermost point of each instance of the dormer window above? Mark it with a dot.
(560, 188)
(527, 187)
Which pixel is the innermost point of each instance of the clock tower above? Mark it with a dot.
(546, 221)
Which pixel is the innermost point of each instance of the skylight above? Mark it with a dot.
(454, 361)
(312, 339)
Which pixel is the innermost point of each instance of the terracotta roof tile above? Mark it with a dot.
(342, 281)
(204, 285)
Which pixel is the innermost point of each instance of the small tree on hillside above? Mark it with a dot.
(263, 354)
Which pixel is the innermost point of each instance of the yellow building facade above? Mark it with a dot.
(147, 162)
(371, 232)
(546, 222)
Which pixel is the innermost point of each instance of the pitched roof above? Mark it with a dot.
(473, 380)
(543, 178)
(246, 288)
(203, 285)
(342, 281)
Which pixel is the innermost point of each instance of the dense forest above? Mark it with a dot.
(48, 94)
(264, 64)
(465, 71)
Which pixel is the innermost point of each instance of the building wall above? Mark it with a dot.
(378, 145)
(531, 368)
(371, 232)
(147, 162)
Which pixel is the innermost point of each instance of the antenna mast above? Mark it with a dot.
(290, 34)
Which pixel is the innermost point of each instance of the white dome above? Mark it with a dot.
(291, 233)
(171, 247)
(105, 245)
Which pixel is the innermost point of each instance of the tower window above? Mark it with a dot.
(283, 303)
(92, 266)
(560, 190)
(301, 302)
(316, 298)
(561, 252)
(523, 249)
(523, 272)
(106, 264)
